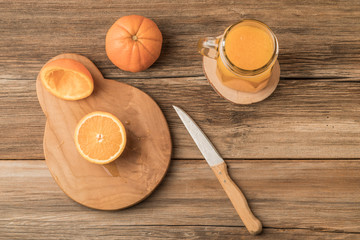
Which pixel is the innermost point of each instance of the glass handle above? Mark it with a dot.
(208, 47)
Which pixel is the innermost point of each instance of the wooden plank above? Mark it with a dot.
(302, 119)
(314, 196)
(317, 39)
(114, 231)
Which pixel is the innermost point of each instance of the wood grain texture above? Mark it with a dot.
(237, 198)
(312, 114)
(316, 39)
(130, 178)
(301, 119)
(314, 196)
(113, 231)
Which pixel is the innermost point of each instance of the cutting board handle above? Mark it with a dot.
(238, 199)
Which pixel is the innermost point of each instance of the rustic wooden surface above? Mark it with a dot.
(295, 155)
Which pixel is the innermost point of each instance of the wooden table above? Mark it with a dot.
(295, 155)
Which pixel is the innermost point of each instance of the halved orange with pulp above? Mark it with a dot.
(100, 137)
(67, 79)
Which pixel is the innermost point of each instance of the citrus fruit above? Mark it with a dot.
(133, 43)
(67, 79)
(100, 137)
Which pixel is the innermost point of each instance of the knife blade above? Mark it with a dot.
(219, 167)
(206, 148)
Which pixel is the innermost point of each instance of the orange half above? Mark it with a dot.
(100, 137)
(67, 79)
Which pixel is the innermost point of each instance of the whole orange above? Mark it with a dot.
(133, 43)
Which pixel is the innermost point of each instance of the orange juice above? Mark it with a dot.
(248, 48)
(245, 55)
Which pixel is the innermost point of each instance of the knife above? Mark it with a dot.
(218, 165)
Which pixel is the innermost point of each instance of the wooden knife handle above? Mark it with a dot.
(238, 199)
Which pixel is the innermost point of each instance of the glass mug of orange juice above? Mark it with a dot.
(245, 55)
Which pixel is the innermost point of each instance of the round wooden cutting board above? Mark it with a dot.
(130, 178)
